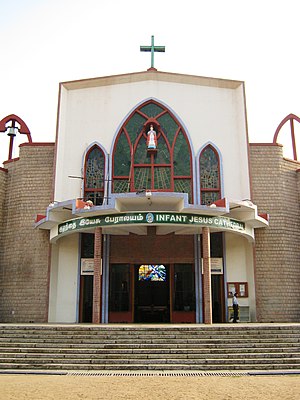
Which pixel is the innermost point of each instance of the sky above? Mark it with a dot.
(44, 42)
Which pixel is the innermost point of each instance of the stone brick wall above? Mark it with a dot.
(3, 176)
(159, 249)
(298, 182)
(25, 250)
(275, 191)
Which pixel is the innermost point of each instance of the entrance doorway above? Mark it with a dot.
(86, 278)
(86, 298)
(152, 293)
(217, 293)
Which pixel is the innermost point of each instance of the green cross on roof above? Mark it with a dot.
(152, 48)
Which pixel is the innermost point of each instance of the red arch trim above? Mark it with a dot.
(23, 127)
(287, 118)
(291, 118)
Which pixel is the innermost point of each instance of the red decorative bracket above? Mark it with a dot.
(264, 216)
(220, 203)
(39, 217)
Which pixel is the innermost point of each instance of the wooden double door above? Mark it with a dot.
(151, 293)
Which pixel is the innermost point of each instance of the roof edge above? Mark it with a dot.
(151, 75)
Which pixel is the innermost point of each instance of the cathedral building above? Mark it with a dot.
(150, 207)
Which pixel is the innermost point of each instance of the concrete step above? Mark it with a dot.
(52, 347)
(177, 345)
(149, 367)
(141, 338)
(149, 361)
(145, 356)
(146, 338)
(152, 350)
(166, 347)
(120, 343)
(230, 329)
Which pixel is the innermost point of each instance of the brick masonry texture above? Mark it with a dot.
(24, 251)
(159, 249)
(3, 179)
(275, 190)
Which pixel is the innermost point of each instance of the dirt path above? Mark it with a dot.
(44, 387)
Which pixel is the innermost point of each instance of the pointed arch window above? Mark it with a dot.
(209, 165)
(94, 168)
(167, 167)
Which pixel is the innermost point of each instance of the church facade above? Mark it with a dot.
(150, 207)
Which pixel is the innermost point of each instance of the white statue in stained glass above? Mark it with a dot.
(151, 138)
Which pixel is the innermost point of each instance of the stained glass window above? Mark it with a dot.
(166, 168)
(94, 176)
(122, 156)
(181, 156)
(121, 185)
(183, 186)
(142, 178)
(163, 155)
(208, 198)
(152, 273)
(94, 169)
(134, 126)
(162, 178)
(95, 197)
(151, 110)
(169, 126)
(209, 176)
(141, 155)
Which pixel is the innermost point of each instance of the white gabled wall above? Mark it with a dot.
(209, 113)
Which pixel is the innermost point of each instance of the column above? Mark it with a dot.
(206, 276)
(97, 276)
(198, 279)
(105, 279)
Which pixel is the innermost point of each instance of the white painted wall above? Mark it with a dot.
(53, 283)
(239, 268)
(209, 113)
(63, 299)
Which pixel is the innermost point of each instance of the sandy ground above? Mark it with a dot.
(44, 387)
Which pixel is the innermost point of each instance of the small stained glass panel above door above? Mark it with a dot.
(152, 273)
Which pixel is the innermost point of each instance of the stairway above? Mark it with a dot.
(150, 347)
